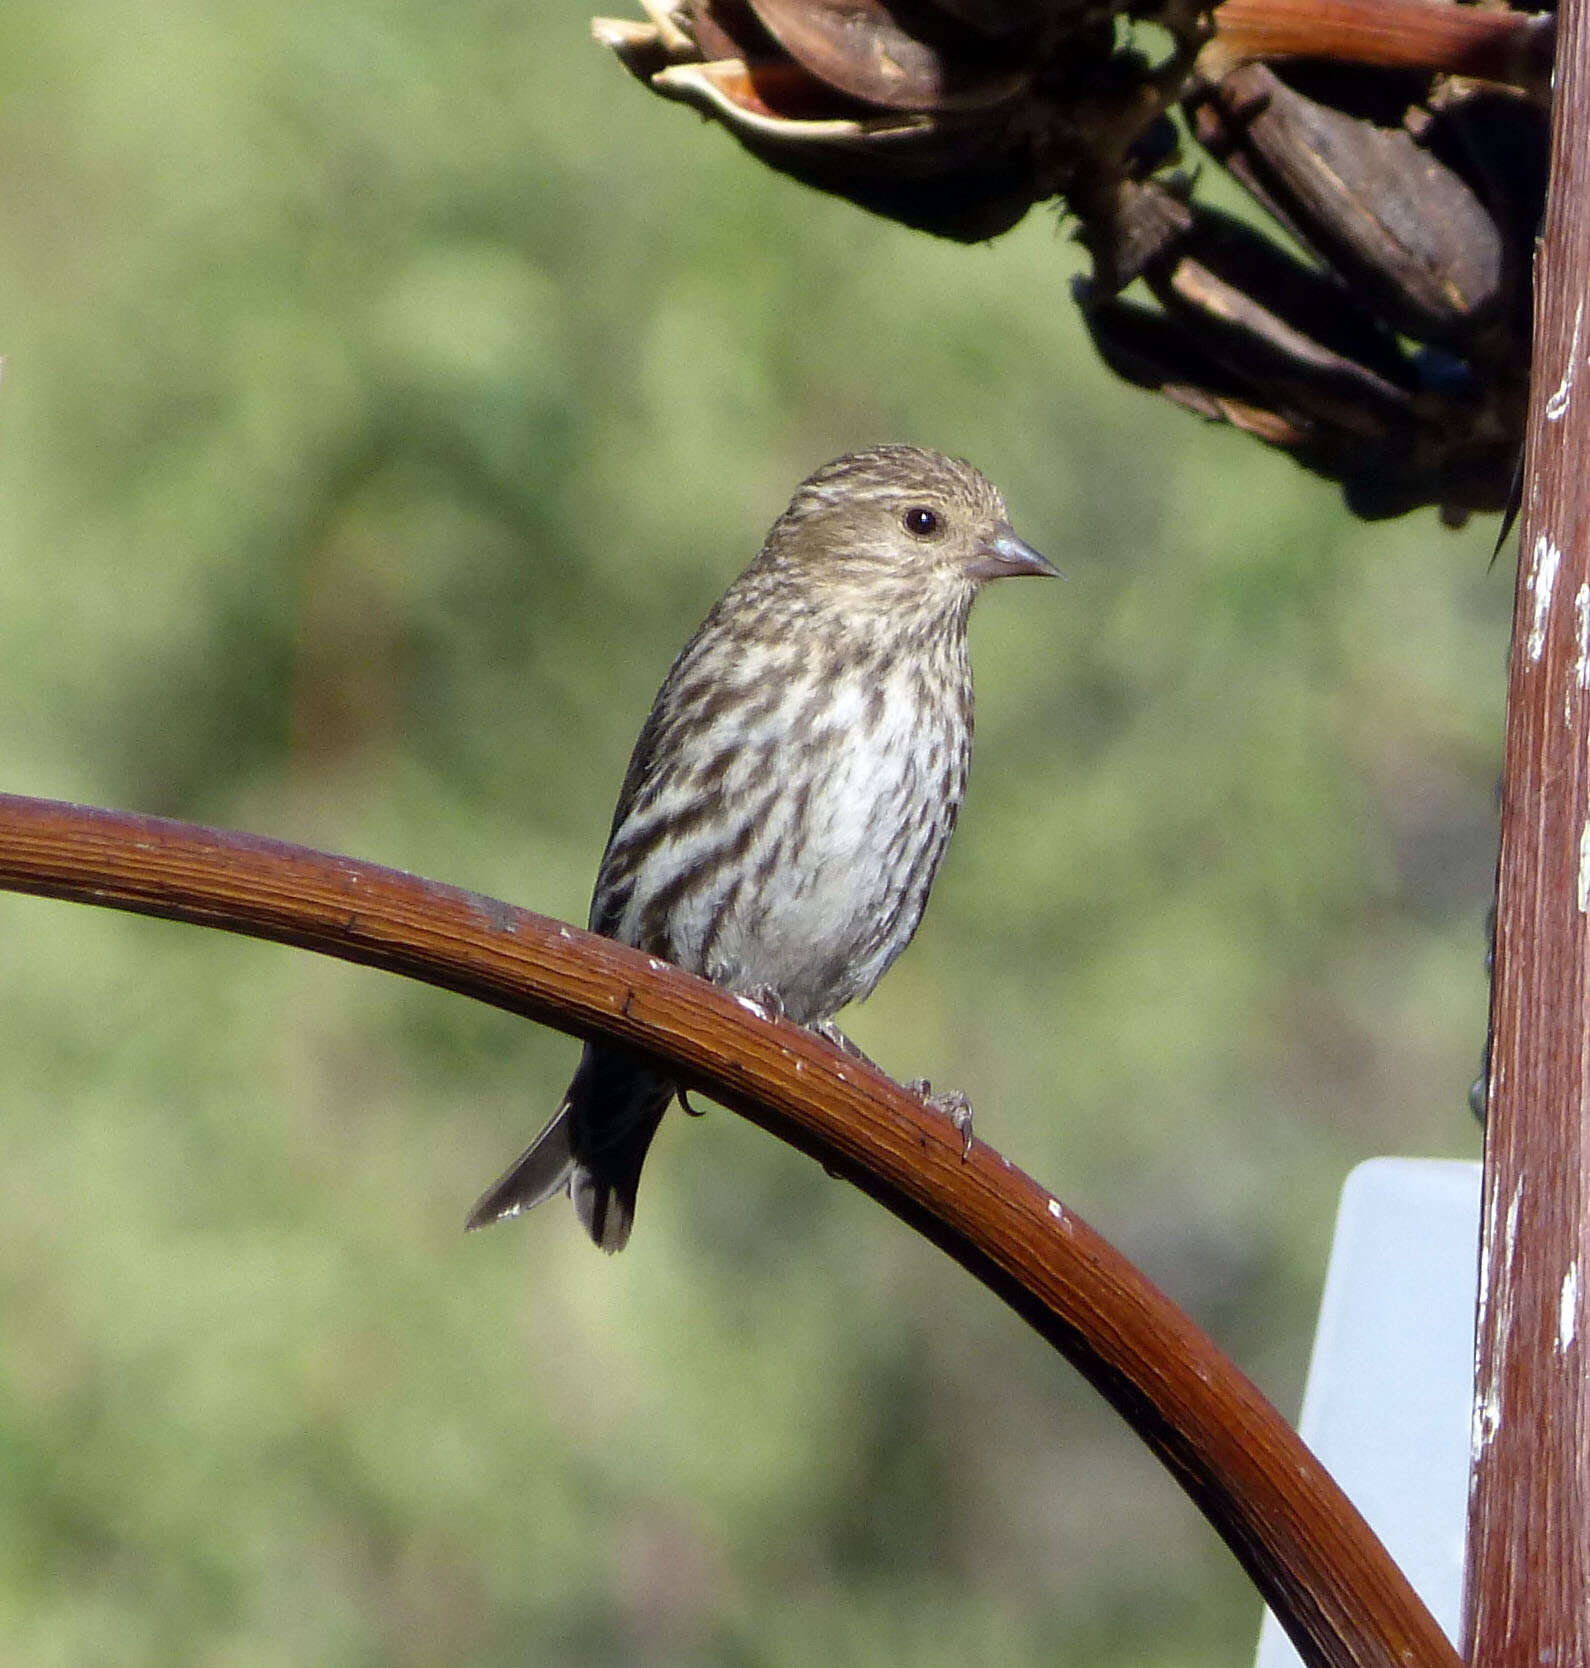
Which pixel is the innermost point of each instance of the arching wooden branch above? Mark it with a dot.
(1340, 1597)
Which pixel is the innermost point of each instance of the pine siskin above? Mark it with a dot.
(793, 790)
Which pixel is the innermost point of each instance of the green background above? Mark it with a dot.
(390, 387)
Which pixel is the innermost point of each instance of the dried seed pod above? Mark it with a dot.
(1407, 460)
(1380, 207)
(1285, 326)
(728, 29)
(1390, 355)
(639, 47)
(777, 102)
(917, 169)
(1249, 334)
(1145, 347)
(1249, 319)
(860, 48)
(905, 107)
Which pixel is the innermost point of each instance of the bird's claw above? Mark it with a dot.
(829, 1032)
(768, 1000)
(684, 1102)
(953, 1104)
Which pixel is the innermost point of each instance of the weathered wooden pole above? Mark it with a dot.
(1528, 1598)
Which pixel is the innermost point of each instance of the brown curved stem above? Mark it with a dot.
(1435, 36)
(1315, 1561)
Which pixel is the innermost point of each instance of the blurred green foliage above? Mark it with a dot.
(390, 387)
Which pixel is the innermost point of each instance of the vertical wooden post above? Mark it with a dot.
(1528, 1597)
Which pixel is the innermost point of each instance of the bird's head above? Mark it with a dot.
(900, 519)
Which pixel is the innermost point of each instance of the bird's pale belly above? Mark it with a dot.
(848, 871)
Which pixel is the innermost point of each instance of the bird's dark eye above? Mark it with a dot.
(920, 521)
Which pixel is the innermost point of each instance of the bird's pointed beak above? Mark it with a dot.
(1006, 556)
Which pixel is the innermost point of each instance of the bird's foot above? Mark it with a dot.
(953, 1104)
(684, 1101)
(767, 999)
(829, 1032)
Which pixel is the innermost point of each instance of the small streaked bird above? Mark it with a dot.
(793, 790)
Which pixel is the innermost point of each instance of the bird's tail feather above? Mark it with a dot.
(545, 1167)
(596, 1160)
(607, 1211)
